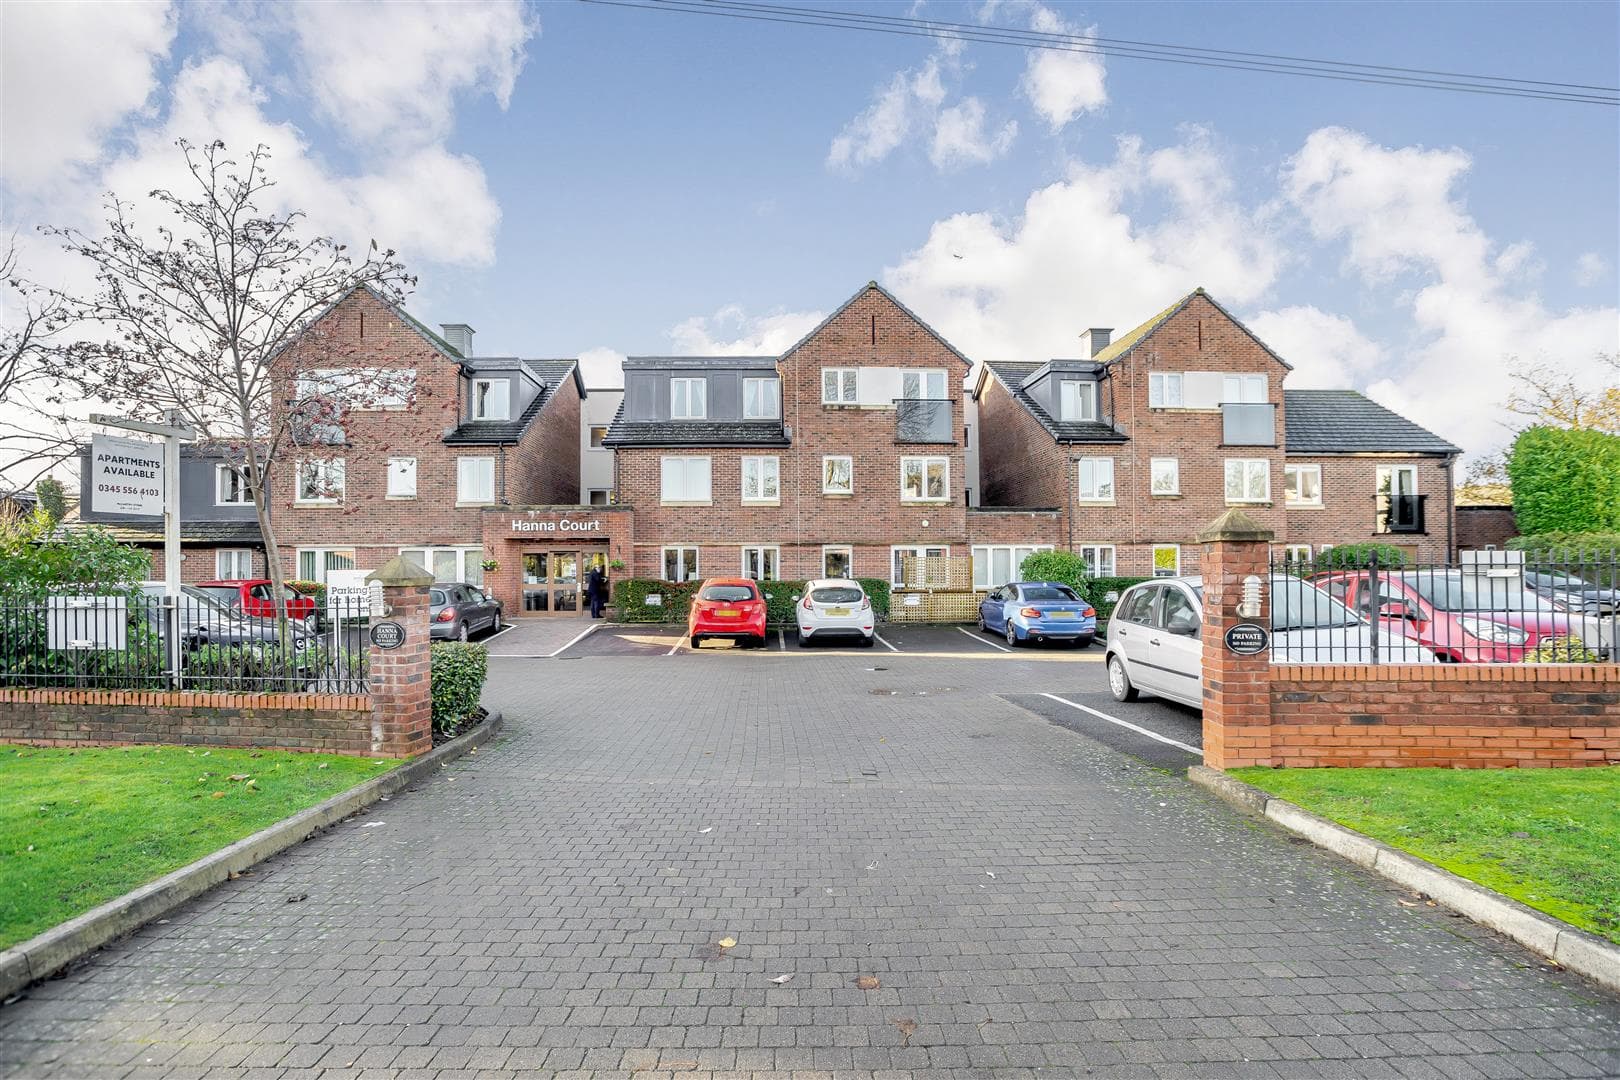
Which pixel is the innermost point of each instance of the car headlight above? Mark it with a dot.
(1494, 632)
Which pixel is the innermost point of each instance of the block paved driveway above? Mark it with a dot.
(1028, 900)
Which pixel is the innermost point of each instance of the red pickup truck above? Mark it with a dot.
(252, 596)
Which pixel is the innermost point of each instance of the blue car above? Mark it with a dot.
(1025, 611)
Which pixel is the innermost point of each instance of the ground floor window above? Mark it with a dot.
(1166, 560)
(1099, 559)
(898, 555)
(448, 564)
(762, 563)
(1298, 553)
(313, 563)
(233, 564)
(837, 561)
(994, 565)
(680, 564)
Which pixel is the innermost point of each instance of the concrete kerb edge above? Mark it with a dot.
(1569, 946)
(45, 954)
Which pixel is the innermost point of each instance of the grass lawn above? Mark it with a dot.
(1547, 837)
(79, 827)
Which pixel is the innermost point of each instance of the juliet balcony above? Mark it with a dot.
(1248, 424)
(923, 420)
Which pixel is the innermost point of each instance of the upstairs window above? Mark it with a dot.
(320, 482)
(491, 399)
(840, 386)
(598, 433)
(838, 475)
(1302, 485)
(1243, 389)
(688, 399)
(402, 478)
(231, 486)
(925, 479)
(762, 399)
(475, 480)
(1097, 480)
(1166, 476)
(1164, 390)
(761, 479)
(685, 480)
(928, 385)
(1077, 400)
(1248, 480)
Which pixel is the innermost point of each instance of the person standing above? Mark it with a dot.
(596, 591)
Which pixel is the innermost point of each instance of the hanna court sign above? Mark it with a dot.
(569, 524)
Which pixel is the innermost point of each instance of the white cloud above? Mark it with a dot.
(960, 138)
(69, 74)
(1062, 84)
(731, 331)
(602, 368)
(392, 71)
(1327, 350)
(1590, 268)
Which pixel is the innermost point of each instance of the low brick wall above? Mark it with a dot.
(329, 723)
(1445, 715)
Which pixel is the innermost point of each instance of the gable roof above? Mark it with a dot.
(1128, 341)
(1012, 376)
(439, 344)
(1346, 422)
(694, 433)
(550, 374)
(872, 286)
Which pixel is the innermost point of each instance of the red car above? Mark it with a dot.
(727, 608)
(252, 596)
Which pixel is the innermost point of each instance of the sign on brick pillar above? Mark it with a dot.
(401, 691)
(1237, 681)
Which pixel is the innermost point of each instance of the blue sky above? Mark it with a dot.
(574, 178)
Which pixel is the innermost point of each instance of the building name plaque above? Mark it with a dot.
(559, 525)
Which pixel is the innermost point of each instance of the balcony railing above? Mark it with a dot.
(1248, 424)
(1400, 513)
(923, 420)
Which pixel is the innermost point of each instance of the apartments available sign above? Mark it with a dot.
(126, 476)
(571, 526)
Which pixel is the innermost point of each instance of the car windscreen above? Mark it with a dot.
(1048, 592)
(1452, 591)
(728, 594)
(837, 594)
(1299, 605)
(438, 597)
(225, 594)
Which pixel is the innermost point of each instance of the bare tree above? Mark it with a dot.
(34, 436)
(1548, 394)
(199, 311)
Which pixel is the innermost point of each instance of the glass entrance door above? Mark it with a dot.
(554, 581)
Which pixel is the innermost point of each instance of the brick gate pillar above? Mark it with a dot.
(1237, 688)
(401, 689)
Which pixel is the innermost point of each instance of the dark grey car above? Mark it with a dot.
(1572, 593)
(460, 610)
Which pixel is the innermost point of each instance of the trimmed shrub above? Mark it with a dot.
(1064, 566)
(458, 669)
(877, 589)
(1098, 588)
(1561, 650)
(1565, 480)
(316, 589)
(630, 599)
(1359, 556)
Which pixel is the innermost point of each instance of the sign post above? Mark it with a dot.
(121, 483)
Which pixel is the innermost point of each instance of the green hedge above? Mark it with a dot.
(630, 599)
(458, 669)
(1098, 588)
(1565, 481)
(1061, 566)
(1593, 556)
(1357, 556)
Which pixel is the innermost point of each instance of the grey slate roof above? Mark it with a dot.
(551, 374)
(1346, 422)
(191, 532)
(1011, 376)
(694, 433)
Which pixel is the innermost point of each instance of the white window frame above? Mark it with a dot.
(758, 385)
(1165, 390)
(681, 550)
(1300, 553)
(1085, 397)
(926, 464)
(1153, 562)
(236, 556)
(850, 470)
(1175, 476)
(769, 488)
(335, 469)
(1094, 567)
(1246, 497)
(470, 498)
(482, 403)
(1300, 471)
(984, 558)
(696, 393)
(592, 441)
(244, 489)
(849, 394)
(767, 553)
(1095, 498)
(915, 549)
(1245, 393)
(849, 555)
(924, 377)
(318, 561)
(685, 498)
(397, 470)
(469, 562)
(394, 387)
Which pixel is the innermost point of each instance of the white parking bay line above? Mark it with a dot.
(1154, 735)
(884, 642)
(981, 639)
(503, 630)
(673, 649)
(576, 639)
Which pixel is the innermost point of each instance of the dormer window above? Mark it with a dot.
(1077, 400)
(491, 399)
(762, 399)
(688, 399)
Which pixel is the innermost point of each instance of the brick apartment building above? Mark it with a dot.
(1137, 445)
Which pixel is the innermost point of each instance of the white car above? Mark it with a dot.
(834, 608)
(1154, 643)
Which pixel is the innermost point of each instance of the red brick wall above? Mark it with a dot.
(990, 526)
(543, 469)
(1445, 715)
(197, 563)
(1482, 526)
(1019, 463)
(1350, 506)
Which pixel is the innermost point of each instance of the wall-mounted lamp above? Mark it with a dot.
(1249, 606)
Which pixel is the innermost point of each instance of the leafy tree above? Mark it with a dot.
(36, 560)
(1064, 566)
(1565, 480)
(52, 500)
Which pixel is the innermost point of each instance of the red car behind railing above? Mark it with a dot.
(252, 596)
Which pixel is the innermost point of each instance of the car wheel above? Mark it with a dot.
(1119, 683)
(1012, 633)
(983, 629)
(1082, 642)
(461, 631)
(312, 623)
(867, 642)
(495, 623)
(804, 640)
(697, 639)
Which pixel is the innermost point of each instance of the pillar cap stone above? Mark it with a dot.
(400, 571)
(1235, 525)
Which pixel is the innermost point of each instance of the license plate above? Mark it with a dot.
(838, 611)
(1060, 614)
(732, 612)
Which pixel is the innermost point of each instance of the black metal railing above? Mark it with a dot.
(1362, 606)
(141, 640)
(1400, 514)
(923, 420)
